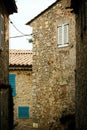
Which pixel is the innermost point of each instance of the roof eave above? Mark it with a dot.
(20, 67)
(28, 23)
(11, 6)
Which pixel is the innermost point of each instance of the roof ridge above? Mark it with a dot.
(12, 51)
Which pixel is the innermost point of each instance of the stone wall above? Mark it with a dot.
(53, 68)
(23, 96)
(4, 54)
(6, 113)
(4, 62)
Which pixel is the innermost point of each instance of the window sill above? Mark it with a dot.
(61, 46)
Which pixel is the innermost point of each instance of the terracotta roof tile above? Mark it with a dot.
(20, 57)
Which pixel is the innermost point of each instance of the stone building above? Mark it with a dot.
(5, 11)
(20, 79)
(7, 7)
(54, 64)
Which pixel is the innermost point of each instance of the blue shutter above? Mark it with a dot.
(23, 112)
(12, 83)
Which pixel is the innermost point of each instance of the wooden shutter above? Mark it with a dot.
(66, 34)
(59, 35)
(12, 83)
(1, 30)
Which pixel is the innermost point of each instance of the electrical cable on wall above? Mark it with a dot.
(22, 34)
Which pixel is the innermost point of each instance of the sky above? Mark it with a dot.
(27, 9)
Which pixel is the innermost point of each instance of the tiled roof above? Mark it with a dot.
(20, 57)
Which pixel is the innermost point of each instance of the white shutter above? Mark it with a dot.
(59, 35)
(66, 34)
(63, 35)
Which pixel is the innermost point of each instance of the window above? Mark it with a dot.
(63, 35)
(1, 30)
(12, 79)
(23, 112)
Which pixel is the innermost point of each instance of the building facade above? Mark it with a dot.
(54, 64)
(5, 11)
(6, 8)
(20, 79)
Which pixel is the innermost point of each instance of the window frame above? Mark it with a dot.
(61, 35)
